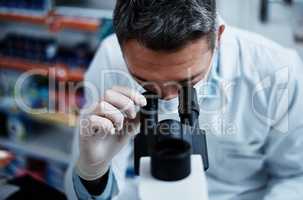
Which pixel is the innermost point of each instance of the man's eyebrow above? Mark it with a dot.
(191, 78)
(180, 81)
(138, 78)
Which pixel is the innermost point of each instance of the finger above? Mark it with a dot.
(112, 113)
(135, 96)
(121, 102)
(131, 128)
(134, 128)
(101, 126)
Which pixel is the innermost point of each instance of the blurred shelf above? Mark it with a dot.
(59, 71)
(75, 23)
(56, 118)
(51, 145)
(55, 22)
(36, 151)
(8, 105)
(23, 18)
(84, 12)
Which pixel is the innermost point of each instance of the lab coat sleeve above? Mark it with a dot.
(285, 141)
(94, 88)
(82, 193)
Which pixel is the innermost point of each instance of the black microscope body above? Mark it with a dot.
(170, 143)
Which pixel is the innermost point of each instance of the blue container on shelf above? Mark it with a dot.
(26, 6)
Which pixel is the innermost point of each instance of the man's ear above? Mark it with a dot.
(220, 32)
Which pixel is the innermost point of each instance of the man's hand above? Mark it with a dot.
(106, 131)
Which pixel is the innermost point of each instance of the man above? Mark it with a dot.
(249, 90)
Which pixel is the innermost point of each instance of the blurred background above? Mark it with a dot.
(58, 39)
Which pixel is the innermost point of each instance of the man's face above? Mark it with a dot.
(163, 72)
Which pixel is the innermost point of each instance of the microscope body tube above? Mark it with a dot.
(189, 108)
(153, 133)
(148, 125)
(189, 111)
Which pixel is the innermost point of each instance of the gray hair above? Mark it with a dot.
(165, 25)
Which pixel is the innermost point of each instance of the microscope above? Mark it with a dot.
(171, 156)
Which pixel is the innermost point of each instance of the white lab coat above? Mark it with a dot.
(255, 141)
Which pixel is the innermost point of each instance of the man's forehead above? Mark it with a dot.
(135, 51)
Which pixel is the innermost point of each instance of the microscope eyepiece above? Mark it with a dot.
(188, 101)
(188, 105)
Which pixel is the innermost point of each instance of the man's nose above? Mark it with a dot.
(169, 93)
